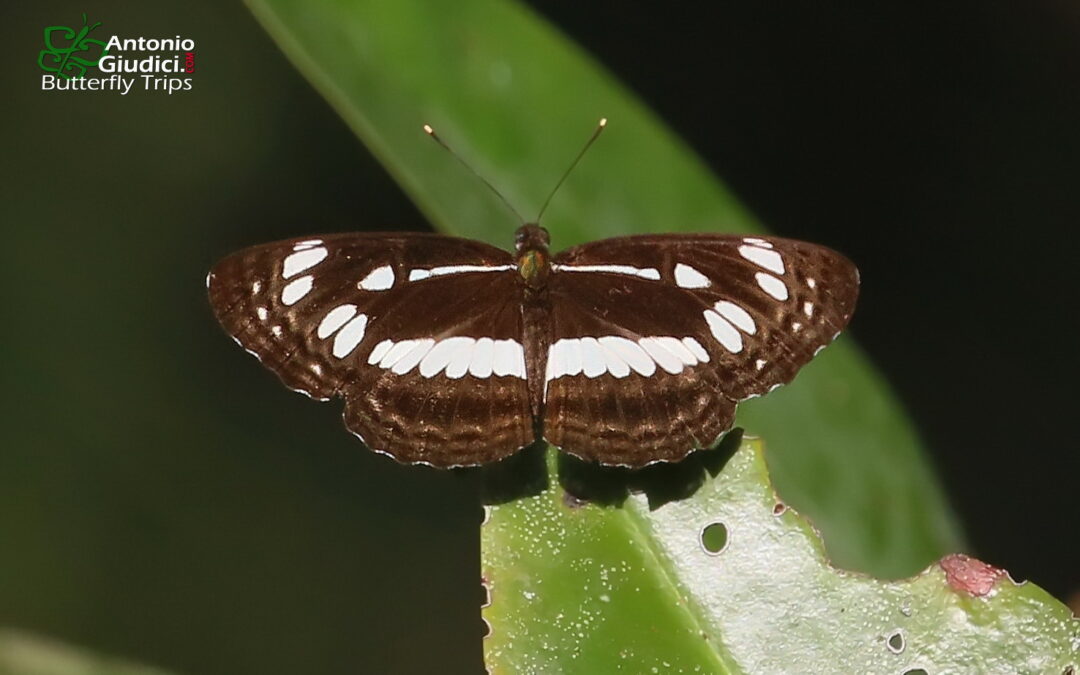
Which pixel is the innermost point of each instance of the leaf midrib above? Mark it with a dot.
(668, 579)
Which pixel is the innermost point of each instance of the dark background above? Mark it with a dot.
(142, 511)
(938, 145)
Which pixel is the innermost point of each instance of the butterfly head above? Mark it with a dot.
(531, 244)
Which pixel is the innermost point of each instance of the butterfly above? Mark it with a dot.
(452, 352)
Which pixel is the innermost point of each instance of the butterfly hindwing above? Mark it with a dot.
(420, 334)
(654, 339)
(455, 394)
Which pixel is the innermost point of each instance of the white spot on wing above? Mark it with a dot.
(630, 352)
(379, 351)
(379, 279)
(664, 358)
(335, 319)
(615, 365)
(396, 353)
(460, 359)
(808, 309)
(736, 315)
(520, 369)
(592, 359)
(483, 358)
(262, 313)
(724, 332)
(677, 348)
(811, 283)
(509, 358)
(688, 277)
(763, 257)
(441, 354)
(772, 286)
(696, 349)
(503, 357)
(295, 263)
(296, 289)
(350, 336)
(757, 242)
(572, 354)
(307, 243)
(413, 357)
(643, 272)
(556, 362)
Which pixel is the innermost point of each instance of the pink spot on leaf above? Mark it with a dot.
(970, 575)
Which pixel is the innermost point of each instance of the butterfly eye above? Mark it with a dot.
(531, 237)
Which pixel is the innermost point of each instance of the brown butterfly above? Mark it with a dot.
(452, 352)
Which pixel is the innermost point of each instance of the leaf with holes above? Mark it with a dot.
(730, 579)
(515, 99)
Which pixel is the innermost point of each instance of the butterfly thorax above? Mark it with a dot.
(531, 244)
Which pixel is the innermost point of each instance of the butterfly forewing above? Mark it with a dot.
(654, 339)
(420, 334)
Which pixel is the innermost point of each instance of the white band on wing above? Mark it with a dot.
(619, 356)
(643, 272)
(456, 356)
(418, 273)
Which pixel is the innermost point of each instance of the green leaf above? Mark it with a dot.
(25, 654)
(517, 100)
(579, 588)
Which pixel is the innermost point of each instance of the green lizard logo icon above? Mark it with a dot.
(61, 58)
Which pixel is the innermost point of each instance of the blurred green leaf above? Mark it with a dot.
(582, 588)
(516, 100)
(25, 654)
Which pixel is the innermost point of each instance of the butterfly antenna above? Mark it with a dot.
(431, 132)
(595, 134)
